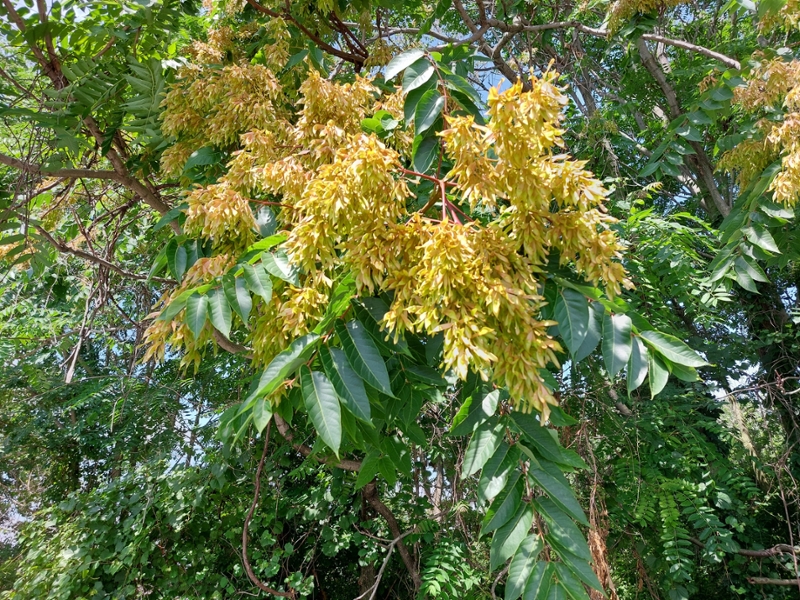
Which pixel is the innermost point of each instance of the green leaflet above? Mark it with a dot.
(658, 374)
(495, 472)
(370, 312)
(563, 529)
(401, 62)
(572, 313)
(364, 356)
(428, 109)
(558, 491)
(369, 469)
(481, 408)
(483, 444)
(417, 73)
(220, 311)
(322, 405)
(283, 365)
(761, 237)
(176, 259)
(277, 264)
(508, 538)
(424, 151)
(196, 313)
(593, 331)
(237, 295)
(346, 382)
(538, 586)
(505, 505)
(540, 436)
(673, 349)
(262, 413)
(258, 281)
(637, 365)
(570, 584)
(617, 342)
(522, 566)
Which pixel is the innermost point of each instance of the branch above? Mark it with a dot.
(259, 584)
(25, 167)
(285, 431)
(777, 550)
(64, 248)
(371, 494)
(392, 544)
(353, 58)
(701, 159)
(768, 581)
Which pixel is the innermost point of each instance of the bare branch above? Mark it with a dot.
(768, 581)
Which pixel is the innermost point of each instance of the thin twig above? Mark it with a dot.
(260, 584)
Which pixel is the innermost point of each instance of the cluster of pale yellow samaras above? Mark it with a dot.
(344, 202)
(772, 82)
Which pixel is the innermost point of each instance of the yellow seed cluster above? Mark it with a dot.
(222, 215)
(772, 83)
(214, 106)
(344, 204)
(553, 203)
(621, 10)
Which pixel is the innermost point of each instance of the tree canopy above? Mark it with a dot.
(359, 300)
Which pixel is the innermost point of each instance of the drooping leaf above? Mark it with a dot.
(538, 586)
(429, 108)
(277, 263)
(258, 281)
(657, 373)
(637, 365)
(481, 408)
(522, 566)
(176, 259)
(322, 405)
(283, 365)
(196, 313)
(220, 311)
(617, 342)
(483, 444)
(593, 332)
(262, 413)
(505, 505)
(238, 297)
(508, 538)
(557, 490)
(346, 382)
(363, 355)
(673, 349)
(401, 62)
(572, 313)
(563, 529)
(417, 74)
(496, 470)
(369, 469)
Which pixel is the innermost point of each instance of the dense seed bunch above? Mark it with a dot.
(213, 106)
(774, 82)
(550, 203)
(344, 203)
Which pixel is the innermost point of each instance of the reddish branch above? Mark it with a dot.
(358, 53)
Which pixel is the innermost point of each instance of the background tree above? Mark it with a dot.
(300, 297)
